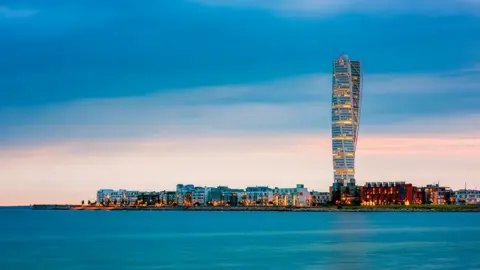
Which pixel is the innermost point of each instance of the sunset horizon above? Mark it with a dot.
(146, 96)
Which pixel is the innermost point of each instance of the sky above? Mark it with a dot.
(146, 94)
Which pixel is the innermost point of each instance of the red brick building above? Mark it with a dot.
(387, 193)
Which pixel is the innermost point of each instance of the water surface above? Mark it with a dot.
(68, 240)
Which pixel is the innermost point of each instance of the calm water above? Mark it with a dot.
(230, 240)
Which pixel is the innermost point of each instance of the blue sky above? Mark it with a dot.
(84, 72)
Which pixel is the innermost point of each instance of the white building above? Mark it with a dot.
(111, 196)
(469, 196)
(103, 195)
(199, 195)
(297, 196)
(259, 195)
(118, 196)
(131, 197)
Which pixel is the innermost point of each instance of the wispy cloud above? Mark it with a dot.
(333, 7)
(423, 83)
(473, 69)
(17, 13)
(300, 103)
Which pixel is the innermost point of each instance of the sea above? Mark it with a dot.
(118, 240)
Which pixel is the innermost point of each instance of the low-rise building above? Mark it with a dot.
(436, 194)
(232, 197)
(298, 196)
(213, 195)
(184, 194)
(167, 198)
(199, 196)
(319, 198)
(131, 197)
(104, 195)
(386, 193)
(259, 195)
(148, 198)
(112, 196)
(467, 196)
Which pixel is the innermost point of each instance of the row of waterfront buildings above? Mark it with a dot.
(347, 95)
(190, 195)
(374, 193)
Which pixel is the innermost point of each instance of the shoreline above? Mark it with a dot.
(435, 208)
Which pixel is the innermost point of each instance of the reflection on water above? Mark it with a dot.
(37, 240)
(352, 247)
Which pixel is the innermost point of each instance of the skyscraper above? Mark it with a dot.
(346, 97)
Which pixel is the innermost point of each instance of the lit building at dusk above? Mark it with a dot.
(346, 107)
(258, 195)
(467, 196)
(436, 194)
(319, 198)
(298, 196)
(387, 193)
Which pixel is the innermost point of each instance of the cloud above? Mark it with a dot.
(333, 7)
(473, 69)
(298, 103)
(423, 83)
(17, 13)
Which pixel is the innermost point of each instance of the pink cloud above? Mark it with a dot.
(394, 146)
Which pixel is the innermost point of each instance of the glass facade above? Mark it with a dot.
(346, 97)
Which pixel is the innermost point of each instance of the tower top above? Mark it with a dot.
(342, 58)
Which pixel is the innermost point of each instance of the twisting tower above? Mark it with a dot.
(346, 107)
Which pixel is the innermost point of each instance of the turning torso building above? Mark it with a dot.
(346, 106)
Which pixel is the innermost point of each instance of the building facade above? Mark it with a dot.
(103, 195)
(111, 196)
(132, 197)
(213, 195)
(184, 194)
(387, 193)
(319, 198)
(298, 196)
(199, 196)
(148, 198)
(346, 107)
(467, 196)
(437, 195)
(167, 198)
(259, 195)
(232, 197)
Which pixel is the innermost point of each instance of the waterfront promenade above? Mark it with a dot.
(392, 208)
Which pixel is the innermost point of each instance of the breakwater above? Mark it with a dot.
(423, 208)
(52, 207)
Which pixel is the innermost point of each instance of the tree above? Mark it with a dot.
(89, 203)
(83, 202)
